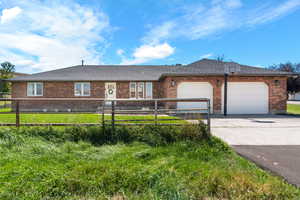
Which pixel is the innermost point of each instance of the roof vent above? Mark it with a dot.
(82, 63)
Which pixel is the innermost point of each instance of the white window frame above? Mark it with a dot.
(135, 90)
(145, 90)
(148, 94)
(35, 89)
(82, 89)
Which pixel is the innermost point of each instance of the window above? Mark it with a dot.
(34, 89)
(132, 90)
(148, 90)
(140, 90)
(82, 89)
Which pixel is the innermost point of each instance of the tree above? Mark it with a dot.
(286, 67)
(220, 58)
(293, 83)
(6, 71)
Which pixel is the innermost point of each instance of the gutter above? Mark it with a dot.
(190, 74)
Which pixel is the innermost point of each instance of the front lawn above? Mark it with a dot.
(293, 108)
(145, 163)
(5, 110)
(79, 118)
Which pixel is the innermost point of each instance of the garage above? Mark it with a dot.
(247, 98)
(194, 90)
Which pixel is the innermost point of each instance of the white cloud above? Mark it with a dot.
(200, 21)
(52, 35)
(160, 33)
(206, 55)
(9, 14)
(211, 21)
(120, 52)
(197, 21)
(156, 51)
(233, 3)
(269, 14)
(146, 53)
(52, 53)
(259, 65)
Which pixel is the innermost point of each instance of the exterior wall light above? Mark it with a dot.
(173, 83)
(277, 82)
(219, 83)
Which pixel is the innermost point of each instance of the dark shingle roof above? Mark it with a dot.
(142, 72)
(101, 73)
(214, 67)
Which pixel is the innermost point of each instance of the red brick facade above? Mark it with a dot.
(66, 90)
(161, 89)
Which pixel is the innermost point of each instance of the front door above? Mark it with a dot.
(110, 90)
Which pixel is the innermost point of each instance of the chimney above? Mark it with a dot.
(82, 62)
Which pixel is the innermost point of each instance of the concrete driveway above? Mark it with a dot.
(258, 130)
(272, 142)
(294, 102)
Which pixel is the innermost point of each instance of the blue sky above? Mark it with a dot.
(40, 35)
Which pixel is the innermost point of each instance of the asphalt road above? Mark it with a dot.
(272, 142)
(283, 160)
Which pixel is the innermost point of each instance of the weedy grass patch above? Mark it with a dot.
(129, 163)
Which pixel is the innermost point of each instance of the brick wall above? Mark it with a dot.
(57, 90)
(66, 90)
(277, 92)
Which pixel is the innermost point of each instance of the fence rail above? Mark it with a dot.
(109, 108)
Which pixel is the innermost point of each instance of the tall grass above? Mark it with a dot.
(129, 163)
(149, 134)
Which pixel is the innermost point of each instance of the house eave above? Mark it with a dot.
(80, 80)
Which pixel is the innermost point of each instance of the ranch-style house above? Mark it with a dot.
(251, 90)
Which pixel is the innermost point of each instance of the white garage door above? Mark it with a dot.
(247, 98)
(194, 90)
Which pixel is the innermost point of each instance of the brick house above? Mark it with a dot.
(251, 90)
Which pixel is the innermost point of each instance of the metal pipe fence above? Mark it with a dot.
(109, 108)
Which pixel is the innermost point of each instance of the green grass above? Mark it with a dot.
(293, 109)
(78, 118)
(5, 110)
(34, 165)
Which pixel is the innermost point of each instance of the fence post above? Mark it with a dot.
(208, 115)
(103, 120)
(155, 112)
(113, 115)
(17, 114)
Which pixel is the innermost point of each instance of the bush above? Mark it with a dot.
(149, 134)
